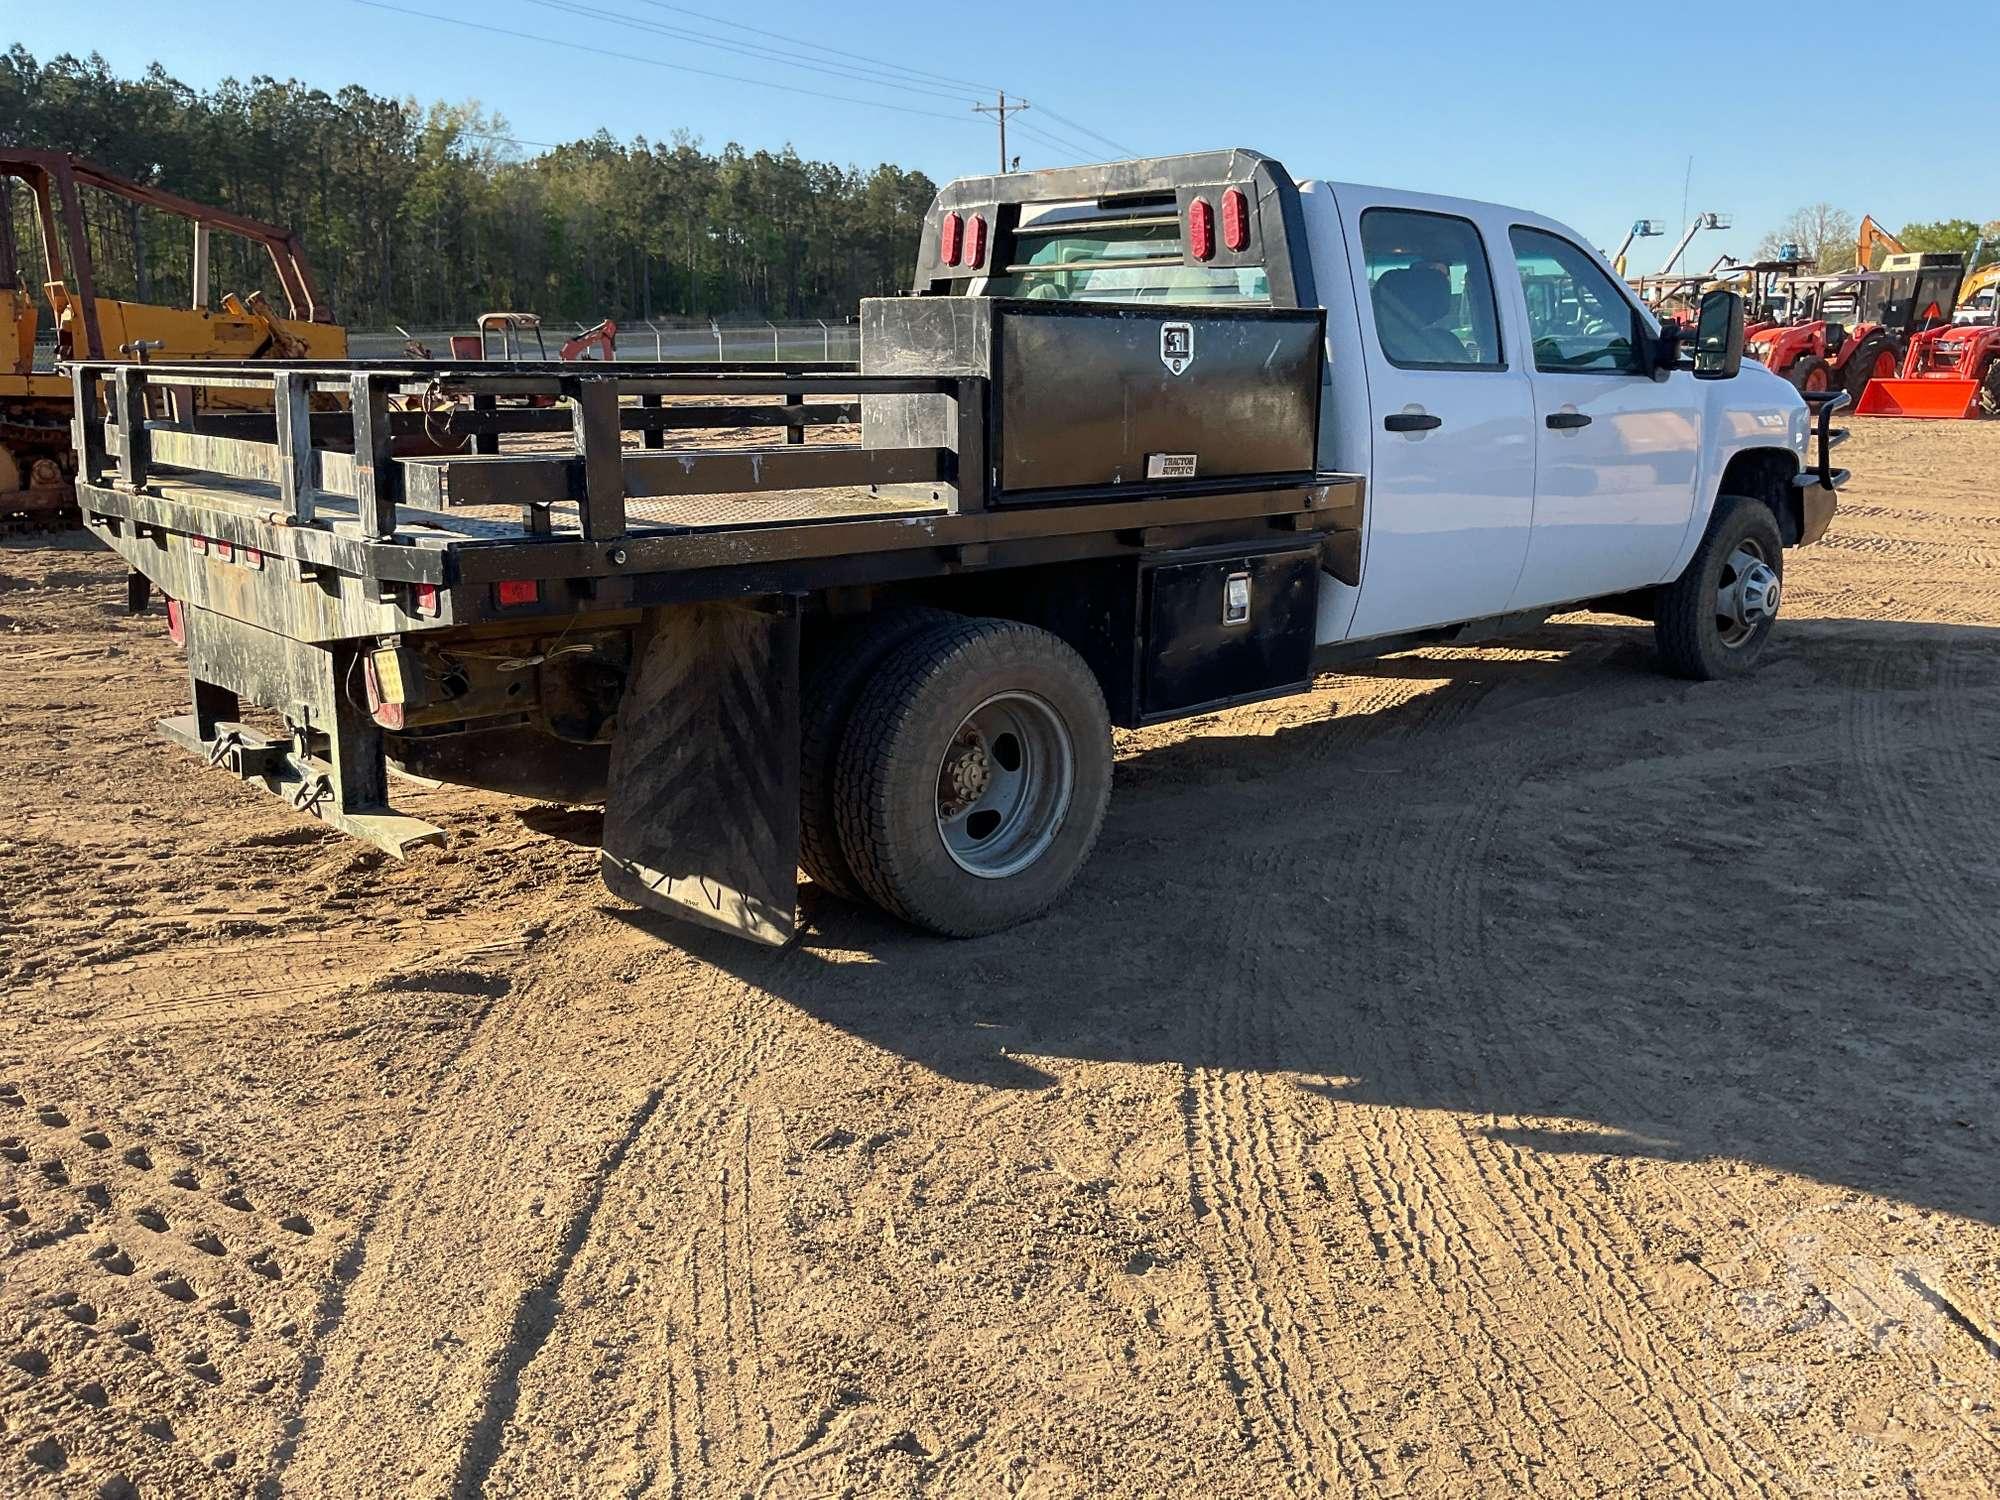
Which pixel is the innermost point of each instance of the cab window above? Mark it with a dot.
(1433, 294)
(1578, 319)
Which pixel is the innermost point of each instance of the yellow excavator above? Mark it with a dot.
(37, 467)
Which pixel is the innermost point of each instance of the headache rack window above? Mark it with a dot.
(1127, 258)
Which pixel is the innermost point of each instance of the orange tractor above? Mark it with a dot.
(1950, 372)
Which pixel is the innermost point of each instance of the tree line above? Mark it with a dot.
(1828, 236)
(428, 214)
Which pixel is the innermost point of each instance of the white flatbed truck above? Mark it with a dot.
(1149, 438)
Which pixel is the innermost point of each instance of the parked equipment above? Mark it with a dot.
(36, 462)
(1817, 351)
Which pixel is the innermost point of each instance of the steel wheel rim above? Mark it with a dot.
(1746, 596)
(1004, 785)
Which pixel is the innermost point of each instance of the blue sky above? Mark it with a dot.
(1588, 114)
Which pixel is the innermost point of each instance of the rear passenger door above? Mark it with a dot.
(1451, 483)
(1617, 448)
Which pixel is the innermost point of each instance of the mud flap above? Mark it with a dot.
(701, 817)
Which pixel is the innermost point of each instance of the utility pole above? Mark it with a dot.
(1000, 112)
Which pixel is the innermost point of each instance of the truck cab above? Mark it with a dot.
(1530, 438)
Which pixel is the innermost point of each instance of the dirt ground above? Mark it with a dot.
(1499, 1072)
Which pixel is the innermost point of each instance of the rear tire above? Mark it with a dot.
(1810, 373)
(1715, 618)
(973, 777)
(1874, 360)
(1989, 391)
(836, 671)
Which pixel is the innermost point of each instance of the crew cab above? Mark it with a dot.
(1148, 439)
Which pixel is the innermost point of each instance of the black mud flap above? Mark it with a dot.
(701, 819)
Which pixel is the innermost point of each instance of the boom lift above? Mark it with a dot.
(37, 466)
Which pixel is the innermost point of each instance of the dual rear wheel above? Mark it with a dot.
(956, 770)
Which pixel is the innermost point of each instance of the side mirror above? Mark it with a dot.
(1718, 336)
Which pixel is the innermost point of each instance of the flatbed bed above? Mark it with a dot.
(359, 556)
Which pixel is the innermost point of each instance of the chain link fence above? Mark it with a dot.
(654, 340)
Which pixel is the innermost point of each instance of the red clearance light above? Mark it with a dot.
(225, 550)
(948, 239)
(176, 623)
(514, 592)
(252, 558)
(427, 598)
(1235, 219)
(975, 242)
(1201, 229)
(198, 543)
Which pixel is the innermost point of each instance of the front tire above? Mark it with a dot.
(1874, 360)
(1715, 618)
(1810, 374)
(974, 776)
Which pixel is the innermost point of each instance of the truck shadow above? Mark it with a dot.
(1579, 905)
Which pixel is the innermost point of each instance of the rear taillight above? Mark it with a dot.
(1201, 229)
(950, 235)
(1235, 219)
(512, 593)
(975, 242)
(176, 623)
(427, 599)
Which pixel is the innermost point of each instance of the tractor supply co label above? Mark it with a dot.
(1170, 465)
(1176, 346)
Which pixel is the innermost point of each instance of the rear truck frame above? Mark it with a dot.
(895, 664)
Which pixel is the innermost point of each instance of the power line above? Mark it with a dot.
(1086, 130)
(762, 54)
(1051, 139)
(819, 46)
(549, 41)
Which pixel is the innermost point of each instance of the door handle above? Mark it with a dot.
(1564, 421)
(1411, 421)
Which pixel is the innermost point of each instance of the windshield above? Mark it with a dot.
(1135, 259)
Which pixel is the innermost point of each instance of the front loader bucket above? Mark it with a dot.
(1917, 397)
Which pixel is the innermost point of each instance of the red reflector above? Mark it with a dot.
(517, 591)
(1235, 219)
(428, 598)
(176, 623)
(1201, 229)
(252, 558)
(948, 239)
(225, 550)
(975, 242)
(198, 543)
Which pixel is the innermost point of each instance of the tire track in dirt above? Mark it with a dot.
(1619, 1343)
(1907, 834)
(1271, 1290)
(695, 1344)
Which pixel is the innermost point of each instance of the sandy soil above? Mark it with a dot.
(1501, 1071)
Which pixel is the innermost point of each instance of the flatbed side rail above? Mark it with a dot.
(333, 431)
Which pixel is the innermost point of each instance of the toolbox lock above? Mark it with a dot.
(1236, 599)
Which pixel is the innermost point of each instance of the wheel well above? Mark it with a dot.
(1767, 474)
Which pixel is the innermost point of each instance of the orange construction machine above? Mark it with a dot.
(77, 206)
(1950, 372)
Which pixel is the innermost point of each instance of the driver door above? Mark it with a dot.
(1615, 448)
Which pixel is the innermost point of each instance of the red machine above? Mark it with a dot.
(1950, 372)
(603, 339)
(1818, 352)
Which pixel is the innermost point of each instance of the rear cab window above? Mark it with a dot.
(1081, 252)
(1432, 290)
